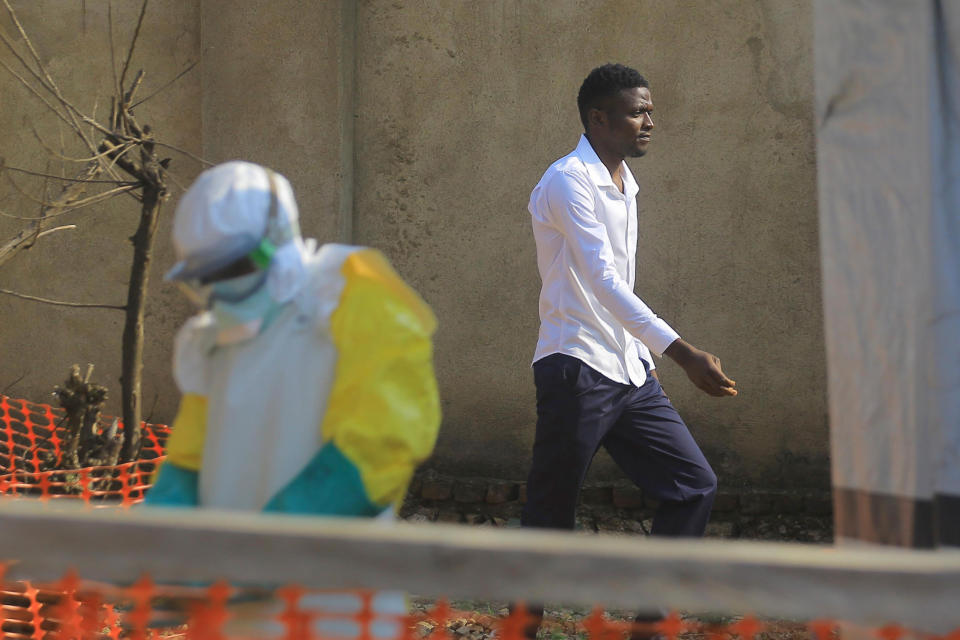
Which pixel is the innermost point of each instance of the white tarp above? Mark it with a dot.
(887, 117)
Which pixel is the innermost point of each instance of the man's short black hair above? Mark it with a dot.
(606, 81)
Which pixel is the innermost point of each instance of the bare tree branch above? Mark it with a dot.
(26, 237)
(46, 183)
(128, 96)
(133, 42)
(63, 210)
(113, 55)
(73, 204)
(116, 155)
(62, 117)
(35, 92)
(14, 383)
(43, 208)
(154, 193)
(127, 165)
(96, 103)
(128, 119)
(66, 227)
(63, 148)
(101, 197)
(7, 167)
(61, 156)
(26, 40)
(108, 168)
(14, 216)
(47, 80)
(20, 190)
(184, 152)
(16, 54)
(88, 120)
(61, 303)
(175, 180)
(71, 111)
(189, 68)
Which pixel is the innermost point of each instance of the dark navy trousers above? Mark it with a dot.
(578, 411)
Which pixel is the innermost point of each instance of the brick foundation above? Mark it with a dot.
(622, 508)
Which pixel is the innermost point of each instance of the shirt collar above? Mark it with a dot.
(598, 172)
(630, 186)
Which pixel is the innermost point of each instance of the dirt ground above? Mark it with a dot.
(474, 620)
(478, 620)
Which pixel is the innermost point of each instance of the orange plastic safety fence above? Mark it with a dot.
(73, 609)
(31, 441)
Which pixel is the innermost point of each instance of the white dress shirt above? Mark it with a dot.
(586, 235)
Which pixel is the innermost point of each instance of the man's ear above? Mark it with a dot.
(597, 117)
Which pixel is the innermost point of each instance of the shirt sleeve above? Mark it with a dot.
(188, 433)
(572, 210)
(191, 354)
(175, 481)
(383, 413)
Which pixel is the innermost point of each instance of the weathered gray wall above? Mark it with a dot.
(457, 110)
(461, 106)
(272, 94)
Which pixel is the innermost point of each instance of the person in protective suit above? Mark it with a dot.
(307, 380)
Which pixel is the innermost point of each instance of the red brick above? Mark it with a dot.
(819, 505)
(448, 515)
(500, 492)
(627, 497)
(726, 502)
(756, 504)
(469, 491)
(596, 495)
(415, 486)
(787, 504)
(436, 489)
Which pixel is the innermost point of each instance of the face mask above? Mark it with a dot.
(242, 307)
(236, 290)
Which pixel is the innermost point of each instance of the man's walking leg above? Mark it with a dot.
(653, 446)
(575, 407)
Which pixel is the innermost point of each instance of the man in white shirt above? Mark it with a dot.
(594, 374)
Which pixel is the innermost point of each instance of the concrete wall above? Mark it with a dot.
(457, 108)
(272, 94)
(461, 106)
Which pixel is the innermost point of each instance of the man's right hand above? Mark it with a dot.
(702, 368)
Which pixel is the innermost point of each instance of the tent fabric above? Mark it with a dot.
(887, 117)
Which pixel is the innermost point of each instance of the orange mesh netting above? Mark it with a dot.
(75, 610)
(31, 440)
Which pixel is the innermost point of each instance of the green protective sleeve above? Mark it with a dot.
(329, 485)
(174, 487)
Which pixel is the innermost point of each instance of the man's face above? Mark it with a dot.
(628, 123)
